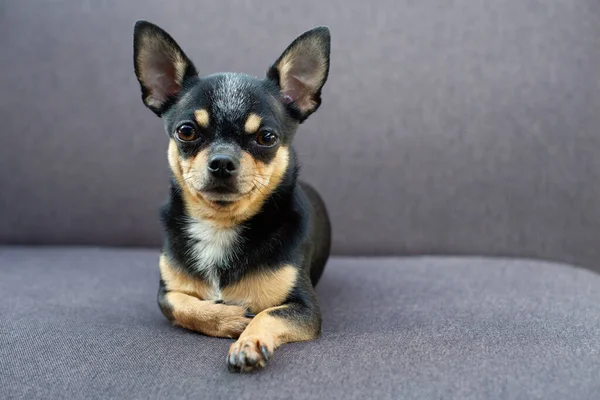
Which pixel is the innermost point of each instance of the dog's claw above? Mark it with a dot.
(242, 358)
(233, 361)
(265, 352)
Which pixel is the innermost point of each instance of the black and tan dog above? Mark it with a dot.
(245, 241)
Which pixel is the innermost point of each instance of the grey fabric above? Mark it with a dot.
(462, 127)
(83, 323)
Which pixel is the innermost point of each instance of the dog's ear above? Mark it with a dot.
(160, 65)
(301, 71)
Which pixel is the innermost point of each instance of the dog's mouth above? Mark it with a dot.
(222, 195)
(220, 189)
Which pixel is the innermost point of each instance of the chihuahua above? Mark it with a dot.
(245, 240)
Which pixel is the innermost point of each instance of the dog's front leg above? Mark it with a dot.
(185, 301)
(204, 316)
(292, 322)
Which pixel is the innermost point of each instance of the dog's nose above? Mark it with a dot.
(222, 166)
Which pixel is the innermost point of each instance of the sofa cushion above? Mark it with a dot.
(84, 323)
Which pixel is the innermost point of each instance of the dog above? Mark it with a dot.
(245, 240)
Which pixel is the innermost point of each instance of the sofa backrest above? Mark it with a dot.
(447, 127)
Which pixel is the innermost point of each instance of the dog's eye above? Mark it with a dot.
(266, 138)
(186, 133)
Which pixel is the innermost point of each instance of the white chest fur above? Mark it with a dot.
(215, 247)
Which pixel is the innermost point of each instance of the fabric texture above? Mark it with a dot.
(394, 328)
(447, 127)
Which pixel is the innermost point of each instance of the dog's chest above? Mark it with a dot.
(213, 249)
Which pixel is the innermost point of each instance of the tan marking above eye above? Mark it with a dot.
(202, 117)
(252, 123)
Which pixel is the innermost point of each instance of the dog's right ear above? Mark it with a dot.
(160, 65)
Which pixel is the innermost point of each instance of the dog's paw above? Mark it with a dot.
(250, 353)
(231, 320)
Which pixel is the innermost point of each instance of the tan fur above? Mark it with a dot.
(263, 290)
(270, 332)
(279, 330)
(258, 180)
(202, 118)
(252, 123)
(285, 67)
(207, 317)
(153, 46)
(178, 281)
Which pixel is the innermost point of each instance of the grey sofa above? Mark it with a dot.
(457, 149)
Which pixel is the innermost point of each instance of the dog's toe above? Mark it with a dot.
(248, 354)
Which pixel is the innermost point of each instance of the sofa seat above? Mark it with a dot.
(84, 323)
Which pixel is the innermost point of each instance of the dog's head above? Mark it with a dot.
(229, 133)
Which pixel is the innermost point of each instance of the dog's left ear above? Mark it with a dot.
(160, 64)
(301, 71)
